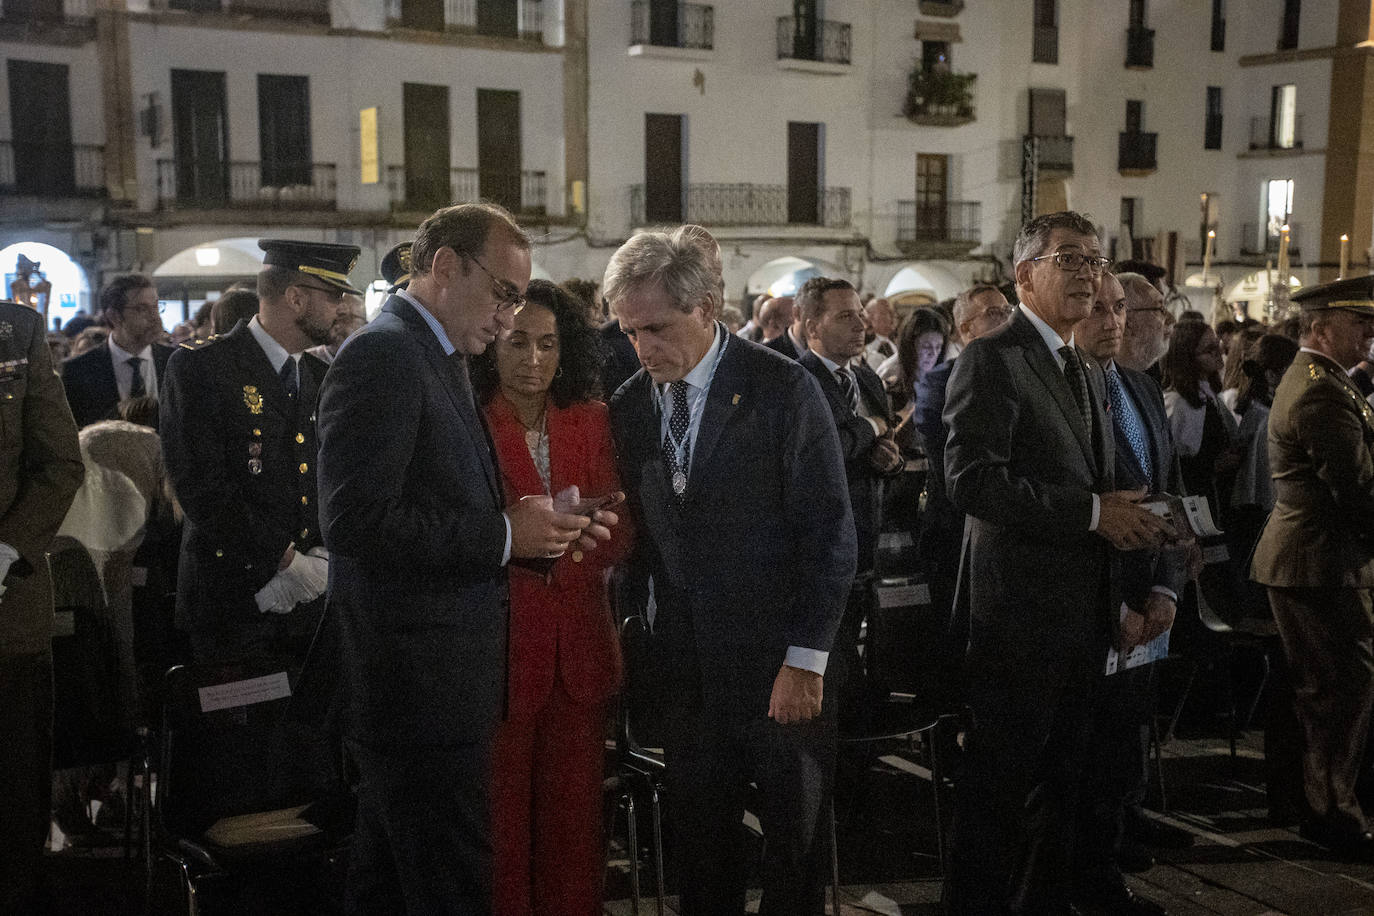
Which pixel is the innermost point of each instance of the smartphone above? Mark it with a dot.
(592, 503)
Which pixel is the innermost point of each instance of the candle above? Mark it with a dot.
(1283, 255)
(1207, 256)
(1345, 257)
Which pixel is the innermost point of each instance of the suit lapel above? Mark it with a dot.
(253, 363)
(1042, 362)
(872, 391)
(721, 402)
(516, 463)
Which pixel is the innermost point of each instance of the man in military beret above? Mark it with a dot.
(238, 434)
(1316, 554)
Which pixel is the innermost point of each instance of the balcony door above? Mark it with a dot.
(1047, 117)
(423, 14)
(664, 23)
(424, 110)
(41, 128)
(806, 30)
(499, 17)
(201, 136)
(804, 147)
(284, 130)
(663, 158)
(498, 147)
(932, 196)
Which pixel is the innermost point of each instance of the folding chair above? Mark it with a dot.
(238, 787)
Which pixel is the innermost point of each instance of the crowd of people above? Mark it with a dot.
(458, 502)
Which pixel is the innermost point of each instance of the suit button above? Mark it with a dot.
(305, 500)
(304, 467)
(257, 432)
(305, 533)
(577, 556)
(219, 553)
(300, 437)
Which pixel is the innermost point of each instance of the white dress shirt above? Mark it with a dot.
(124, 373)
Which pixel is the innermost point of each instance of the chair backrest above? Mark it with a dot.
(641, 708)
(225, 747)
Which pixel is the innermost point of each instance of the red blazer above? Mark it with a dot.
(562, 624)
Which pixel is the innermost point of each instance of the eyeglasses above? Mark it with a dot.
(1073, 261)
(507, 296)
(997, 313)
(334, 294)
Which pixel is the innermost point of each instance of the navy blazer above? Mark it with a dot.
(783, 344)
(411, 507)
(856, 445)
(762, 553)
(89, 381)
(1023, 467)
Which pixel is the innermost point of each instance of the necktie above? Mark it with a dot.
(847, 387)
(288, 378)
(884, 348)
(1078, 384)
(676, 450)
(137, 387)
(1128, 424)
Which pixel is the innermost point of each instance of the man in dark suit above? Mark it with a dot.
(782, 327)
(621, 362)
(129, 364)
(1317, 557)
(1148, 583)
(412, 515)
(733, 467)
(40, 471)
(238, 436)
(1029, 460)
(833, 320)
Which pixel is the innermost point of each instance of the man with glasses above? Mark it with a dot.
(1029, 460)
(238, 436)
(420, 538)
(1149, 324)
(131, 363)
(1316, 555)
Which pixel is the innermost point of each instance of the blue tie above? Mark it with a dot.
(1128, 423)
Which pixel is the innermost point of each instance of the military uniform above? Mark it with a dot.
(40, 471)
(1316, 557)
(396, 267)
(240, 450)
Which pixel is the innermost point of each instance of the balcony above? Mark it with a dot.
(51, 170)
(1140, 48)
(944, 8)
(523, 193)
(1054, 154)
(944, 229)
(939, 98)
(62, 22)
(726, 205)
(689, 33)
(1135, 156)
(213, 185)
(1254, 246)
(465, 17)
(1265, 135)
(1045, 44)
(813, 47)
(312, 11)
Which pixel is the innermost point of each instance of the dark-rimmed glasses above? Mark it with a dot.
(1073, 261)
(507, 296)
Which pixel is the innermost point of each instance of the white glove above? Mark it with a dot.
(303, 580)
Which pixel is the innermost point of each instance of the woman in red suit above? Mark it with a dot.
(537, 382)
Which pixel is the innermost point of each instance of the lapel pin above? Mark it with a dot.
(734, 400)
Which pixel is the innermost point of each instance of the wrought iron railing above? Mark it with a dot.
(211, 183)
(819, 40)
(1265, 135)
(693, 27)
(1045, 44)
(1136, 151)
(954, 221)
(1140, 47)
(747, 205)
(1055, 154)
(1264, 239)
(68, 12)
(524, 192)
(941, 7)
(462, 16)
(52, 169)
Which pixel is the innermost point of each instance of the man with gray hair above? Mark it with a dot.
(1029, 460)
(1149, 323)
(734, 471)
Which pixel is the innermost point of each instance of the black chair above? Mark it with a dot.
(239, 786)
(639, 770)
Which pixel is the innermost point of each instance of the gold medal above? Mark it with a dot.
(252, 399)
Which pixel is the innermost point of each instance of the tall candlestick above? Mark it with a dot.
(1207, 255)
(1345, 256)
(1283, 255)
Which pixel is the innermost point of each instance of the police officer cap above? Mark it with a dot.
(1355, 294)
(328, 263)
(396, 266)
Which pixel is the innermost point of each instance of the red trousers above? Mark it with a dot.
(546, 810)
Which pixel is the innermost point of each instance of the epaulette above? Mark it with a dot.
(1316, 372)
(198, 342)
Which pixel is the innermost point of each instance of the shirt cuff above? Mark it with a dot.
(1097, 512)
(1166, 592)
(874, 423)
(807, 659)
(505, 553)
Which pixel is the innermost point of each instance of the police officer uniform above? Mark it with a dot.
(1316, 556)
(396, 267)
(240, 449)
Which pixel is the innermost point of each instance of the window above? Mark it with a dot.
(1045, 37)
(1283, 117)
(1130, 226)
(1212, 132)
(1135, 114)
(1218, 25)
(1137, 14)
(935, 56)
(284, 130)
(1288, 34)
(498, 147)
(41, 125)
(664, 139)
(932, 196)
(1278, 206)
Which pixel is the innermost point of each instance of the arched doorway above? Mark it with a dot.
(784, 276)
(919, 284)
(71, 290)
(195, 275)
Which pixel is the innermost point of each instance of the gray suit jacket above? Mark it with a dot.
(1022, 466)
